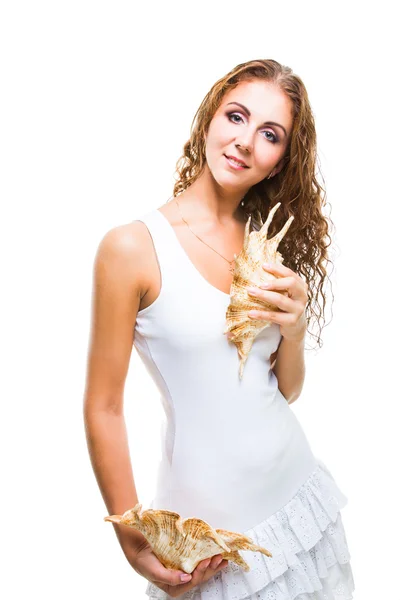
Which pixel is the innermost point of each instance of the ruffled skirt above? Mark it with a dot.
(310, 556)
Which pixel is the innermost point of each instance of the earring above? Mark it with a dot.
(269, 176)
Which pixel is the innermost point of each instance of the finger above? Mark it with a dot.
(171, 577)
(215, 561)
(174, 586)
(197, 576)
(278, 270)
(288, 280)
(283, 283)
(211, 572)
(296, 288)
(221, 565)
(201, 568)
(275, 317)
(274, 298)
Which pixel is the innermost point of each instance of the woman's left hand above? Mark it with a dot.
(292, 320)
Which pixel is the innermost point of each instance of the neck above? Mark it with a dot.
(208, 201)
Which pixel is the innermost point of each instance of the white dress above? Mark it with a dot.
(233, 451)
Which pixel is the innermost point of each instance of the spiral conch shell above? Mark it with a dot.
(248, 271)
(182, 543)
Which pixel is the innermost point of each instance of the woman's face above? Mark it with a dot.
(242, 132)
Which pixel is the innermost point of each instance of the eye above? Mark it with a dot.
(274, 138)
(234, 115)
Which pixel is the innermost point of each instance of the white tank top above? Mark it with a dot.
(233, 451)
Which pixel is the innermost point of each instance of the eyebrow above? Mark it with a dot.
(248, 113)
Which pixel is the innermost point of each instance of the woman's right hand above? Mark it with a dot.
(145, 563)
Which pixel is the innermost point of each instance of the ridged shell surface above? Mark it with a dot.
(249, 272)
(182, 543)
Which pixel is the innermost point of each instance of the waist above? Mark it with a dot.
(239, 475)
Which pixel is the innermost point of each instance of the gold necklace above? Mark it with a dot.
(230, 262)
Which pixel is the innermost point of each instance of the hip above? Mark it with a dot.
(233, 481)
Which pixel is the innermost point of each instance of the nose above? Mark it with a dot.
(245, 146)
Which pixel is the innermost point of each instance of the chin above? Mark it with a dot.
(227, 181)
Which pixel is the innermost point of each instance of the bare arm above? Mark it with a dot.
(289, 368)
(119, 283)
(117, 290)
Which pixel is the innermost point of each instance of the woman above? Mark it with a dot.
(234, 452)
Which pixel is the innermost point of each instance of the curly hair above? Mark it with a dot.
(305, 245)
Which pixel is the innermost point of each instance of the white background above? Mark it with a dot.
(97, 100)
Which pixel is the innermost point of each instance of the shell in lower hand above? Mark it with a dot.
(248, 271)
(182, 543)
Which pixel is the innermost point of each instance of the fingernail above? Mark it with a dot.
(186, 577)
(252, 290)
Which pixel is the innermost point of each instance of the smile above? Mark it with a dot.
(234, 164)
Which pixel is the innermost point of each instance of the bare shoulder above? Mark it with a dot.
(121, 251)
(118, 285)
(124, 240)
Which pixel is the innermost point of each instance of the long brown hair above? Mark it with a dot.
(304, 247)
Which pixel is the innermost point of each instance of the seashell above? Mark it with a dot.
(248, 271)
(182, 543)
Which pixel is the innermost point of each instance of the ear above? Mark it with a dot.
(280, 165)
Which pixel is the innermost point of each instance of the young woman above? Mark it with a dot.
(234, 453)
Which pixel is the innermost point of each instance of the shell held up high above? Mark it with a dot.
(183, 543)
(248, 271)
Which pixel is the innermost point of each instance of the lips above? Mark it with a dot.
(238, 160)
